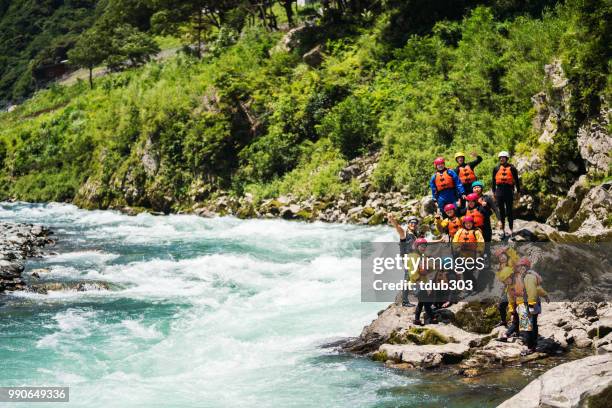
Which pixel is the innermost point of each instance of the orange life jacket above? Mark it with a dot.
(466, 175)
(479, 218)
(444, 181)
(468, 235)
(453, 226)
(504, 175)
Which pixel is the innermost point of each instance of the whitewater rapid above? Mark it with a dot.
(205, 312)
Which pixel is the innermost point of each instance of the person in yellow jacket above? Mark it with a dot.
(451, 224)
(506, 258)
(524, 295)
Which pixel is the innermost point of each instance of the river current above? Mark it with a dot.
(207, 313)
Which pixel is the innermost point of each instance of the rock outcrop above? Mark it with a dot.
(582, 383)
(595, 142)
(392, 337)
(17, 243)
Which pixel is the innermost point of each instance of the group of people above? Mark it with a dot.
(463, 218)
(464, 211)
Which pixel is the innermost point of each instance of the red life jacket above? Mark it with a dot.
(504, 175)
(453, 226)
(479, 217)
(466, 175)
(444, 181)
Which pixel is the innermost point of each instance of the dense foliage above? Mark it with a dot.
(252, 116)
(35, 34)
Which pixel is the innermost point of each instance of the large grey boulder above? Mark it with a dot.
(425, 356)
(592, 218)
(567, 385)
(566, 208)
(427, 206)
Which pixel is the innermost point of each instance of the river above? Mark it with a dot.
(208, 313)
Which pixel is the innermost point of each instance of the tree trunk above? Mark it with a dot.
(90, 77)
(199, 33)
(289, 11)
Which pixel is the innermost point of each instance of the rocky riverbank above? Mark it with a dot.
(464, 340)
(17, 243)
(581, 216)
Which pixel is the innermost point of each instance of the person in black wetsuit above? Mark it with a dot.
(407, 239)
(505, 181)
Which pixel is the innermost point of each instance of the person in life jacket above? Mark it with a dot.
(481, 215)
(407, 237)
(506, 258)
(465, 171)
(446, 188)
(485, 200)
(451, 223)
(419, 275)
(524, 293)
(468, 242)
(468, 233)
(505, 181)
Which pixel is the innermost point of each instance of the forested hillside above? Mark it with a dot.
(257, 109)
(35, 34)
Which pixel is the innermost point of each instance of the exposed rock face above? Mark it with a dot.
(532, 231)
(552, 107)
(592, 220)
(292, 39)
(574, 384)
(587, 219)
(18, 242)
(532, 162)
(595, 142)
(394, 339)
(566, 208)
(149, 158)
(314, 57)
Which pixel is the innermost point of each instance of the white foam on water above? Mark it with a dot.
(138, 329)
(71, 326)
(244, 327)
(88, 257)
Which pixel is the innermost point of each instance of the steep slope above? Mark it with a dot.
(268, 114)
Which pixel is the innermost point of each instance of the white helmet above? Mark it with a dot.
(412, 219)
(504, 154)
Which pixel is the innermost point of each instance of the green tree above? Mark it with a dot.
(129, 46)
(191, 18)
(90, 51)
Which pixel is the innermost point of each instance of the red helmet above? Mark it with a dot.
(472, 197)
(468, 218)
(439, 160)
(450, 206)
(523, 262)
(420, 241)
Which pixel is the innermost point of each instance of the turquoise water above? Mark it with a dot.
(207, 313)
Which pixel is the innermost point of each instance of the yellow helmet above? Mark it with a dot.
(459, 154)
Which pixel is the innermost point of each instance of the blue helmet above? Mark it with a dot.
(478, 183)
